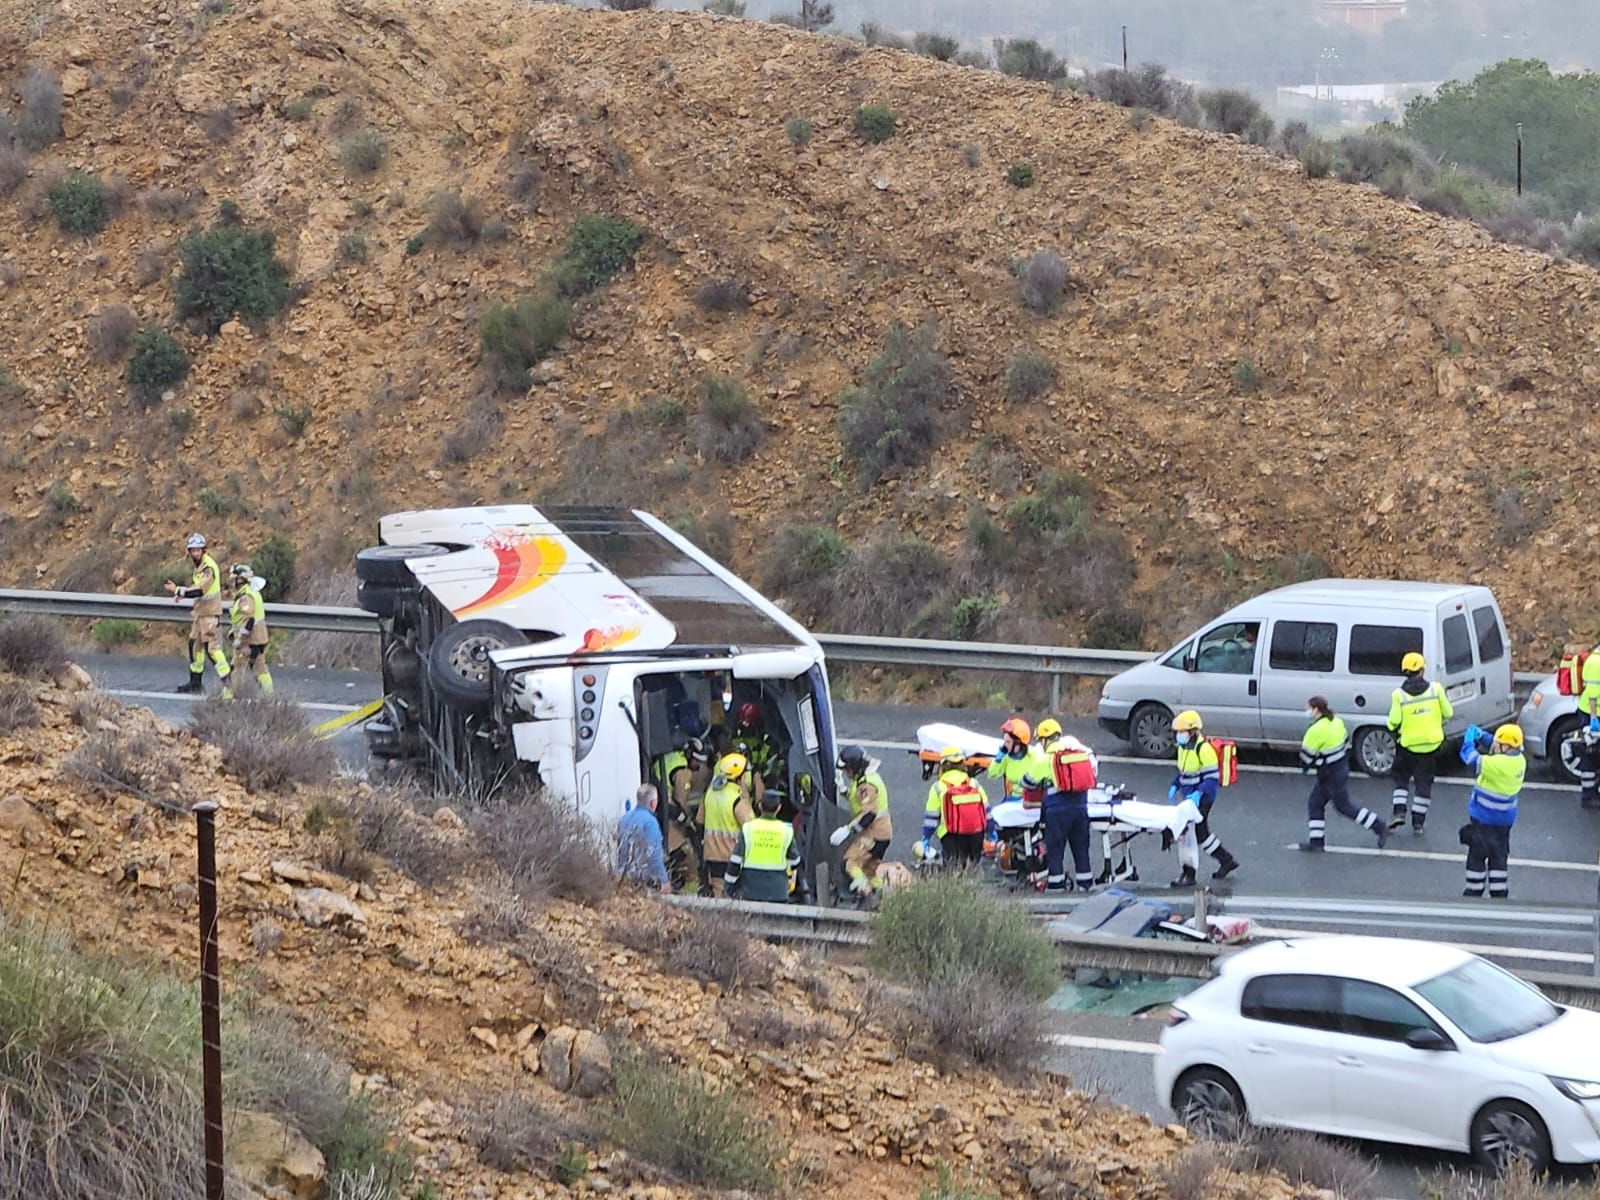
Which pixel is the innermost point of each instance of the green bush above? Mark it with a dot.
(890, 421)
(112, 633)
(728, 427)
(155, 363)
(1246, 376)
(231, 271)
(79, 205)
(936, 45)
(798, 130)
(294, 418)
(1230, 110)
(363, 152)
(802, 563)
(353, 248)
(950, 928)
(1115, 629)
(61, 499)
(669, 1116)
(1027, 59)
(274, 562)
(516, 336)
(1316, 159)
(969, 619)
(1020, 175)
(1146, 86)
(875, 123)
(598, 249)
(1029, 375)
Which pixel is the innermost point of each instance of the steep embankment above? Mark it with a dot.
(441, 1027)
(1252, 366)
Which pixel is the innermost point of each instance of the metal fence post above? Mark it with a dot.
(210, 995)
(1055, 693)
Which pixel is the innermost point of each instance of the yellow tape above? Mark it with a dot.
(367, 711)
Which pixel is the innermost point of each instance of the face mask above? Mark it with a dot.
(1184, 739)
(1311, 715)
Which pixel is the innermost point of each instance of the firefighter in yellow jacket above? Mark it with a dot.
(870, 829)
(247, 629)
(205, 589)
(726, 810)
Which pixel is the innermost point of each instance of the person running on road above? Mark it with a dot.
(1417, 713)
(1326, 749)
(1492, 808)
(1198, 780)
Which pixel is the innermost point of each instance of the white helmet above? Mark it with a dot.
(197, 541)
(240, 571)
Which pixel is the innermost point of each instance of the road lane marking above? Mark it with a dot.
(179, 698)
(1436, 856)
(1116, 1045)
(1244, 768)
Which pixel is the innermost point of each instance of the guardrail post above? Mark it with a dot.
(1055, 693)
(1594, 961)
(205, 814)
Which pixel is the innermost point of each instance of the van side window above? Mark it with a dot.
(1309, 1001)
(1491, 645)
(1378, 649)
(1457, 645)
(1228, 649)
(1303, 645)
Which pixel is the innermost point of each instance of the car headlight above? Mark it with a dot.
(1576, 1089)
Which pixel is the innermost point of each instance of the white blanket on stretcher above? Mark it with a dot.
(1124, 815)
(934, 737)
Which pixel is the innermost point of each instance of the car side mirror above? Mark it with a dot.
(1428, 1039)
(1189, 663)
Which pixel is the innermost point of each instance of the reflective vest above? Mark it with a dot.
(953, 790)
(1494, 796)
(1418, 721)
(209, 603)
(721, 823)
(766, 844)
(1325, 743)
(1012, 771)
(879, 828)
(1589, 698)
(247, 603)
(1197, 766)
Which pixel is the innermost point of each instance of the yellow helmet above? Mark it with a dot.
(1188, 721)
(952, 755)
(1413, 663)
(1049, 728)
(732, 766)
(1509, 735)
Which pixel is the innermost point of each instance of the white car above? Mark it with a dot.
(1387, 1039)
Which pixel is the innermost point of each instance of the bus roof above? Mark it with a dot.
(588, 580)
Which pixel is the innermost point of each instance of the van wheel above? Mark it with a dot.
(1209, 1104)
(387, 564)
(1150, 731)
(1506, 1133)
(1374, 750)
(1564, 744)
(458, 662)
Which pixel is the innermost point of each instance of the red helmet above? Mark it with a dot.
(748, 714)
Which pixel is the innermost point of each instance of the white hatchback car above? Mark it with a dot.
(1392, 1040)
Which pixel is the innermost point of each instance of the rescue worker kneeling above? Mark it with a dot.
(1492, 809)
(726, 810)
(764, 857)
(869, 830)
(957, 812)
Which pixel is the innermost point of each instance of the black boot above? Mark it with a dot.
(1186, 879)
(1314, 847)
(1590, 799)
(193, 687)
(1382, 831)
(1417, 824)
(1227, 864)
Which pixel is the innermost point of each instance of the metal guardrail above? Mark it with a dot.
(1054, 661)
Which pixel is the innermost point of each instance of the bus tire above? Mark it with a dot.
(459, 670)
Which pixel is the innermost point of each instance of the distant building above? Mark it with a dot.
(1369, 16)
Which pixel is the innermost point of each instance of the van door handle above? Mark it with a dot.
(1483, 685)
(1253, 687)
(1260, 1048)
(1349, 1060)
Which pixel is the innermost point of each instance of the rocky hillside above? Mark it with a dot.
(468, 1019)
(1260, 376)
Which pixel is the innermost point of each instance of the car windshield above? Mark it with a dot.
(1486, 1003)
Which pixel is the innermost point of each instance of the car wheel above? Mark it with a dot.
(1150, 731)
(458, 661)
(1374, 750)
(1208, 1103)
(1508, 1132)
(387, 564)
(1563, 744)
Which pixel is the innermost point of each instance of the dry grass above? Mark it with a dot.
(546, 849)
(265, 742)
(31, 646)
(18, 709)
(316, 648)
(134, 761)
(713, 946)
(110, 332)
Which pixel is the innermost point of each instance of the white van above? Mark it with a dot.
(580, 645)
(1250, 671)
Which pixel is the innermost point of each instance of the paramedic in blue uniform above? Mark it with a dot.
(1066, 813)
(1198, 779)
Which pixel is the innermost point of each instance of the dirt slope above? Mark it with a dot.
(435, 1022)
(1421, 390)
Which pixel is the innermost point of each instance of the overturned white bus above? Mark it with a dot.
(582, 645)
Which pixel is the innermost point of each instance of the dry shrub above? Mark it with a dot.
(266, 935)
(40, 122)
(319, 648)
(509, 1130)
(13, 169)
(1044, 282)
(388, 822)
(728, 426)
(977, 1020)
(498, 916)
(32, 646)
(892, 587)
(523, 185)
(90, 710)
(1029, 375)
(168, 204)
(1188, 1176)
(455, 220)
(546, 847)
(18, 709)
(1518, 1183)
(111, 332)
(723, 295)
(219, 124)
(778, 1029)
(265, 742)
(477, 430)
(1306, 1160)
(151, 263)
(711, 945)
(135, 761)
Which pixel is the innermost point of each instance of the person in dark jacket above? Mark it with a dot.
(1418, 711)
(1326, 750)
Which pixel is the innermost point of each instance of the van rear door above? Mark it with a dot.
(1491, 698)
(1462, 680)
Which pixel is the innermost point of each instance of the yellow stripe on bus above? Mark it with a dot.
(367, 711)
